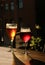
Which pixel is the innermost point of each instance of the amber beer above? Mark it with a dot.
(11, 30)
(25, 34)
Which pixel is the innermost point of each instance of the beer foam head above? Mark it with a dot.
(25, 30)
(9, 25)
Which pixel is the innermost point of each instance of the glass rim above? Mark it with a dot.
(25, 29)
(11, 25)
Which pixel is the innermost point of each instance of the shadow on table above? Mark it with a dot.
(32, 62)
(36, 62)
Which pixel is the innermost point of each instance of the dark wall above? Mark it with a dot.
(40, 12)
(40, 16)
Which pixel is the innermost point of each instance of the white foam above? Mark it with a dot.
(25, 30)
(8, 25)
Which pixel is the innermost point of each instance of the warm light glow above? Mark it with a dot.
(37, 26)
(13, 33)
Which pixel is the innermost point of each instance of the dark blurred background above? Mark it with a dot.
(25, 13)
